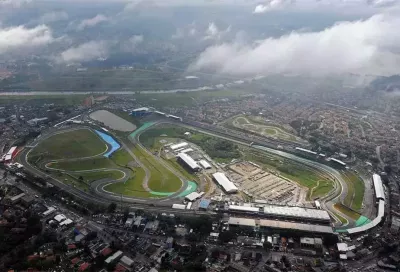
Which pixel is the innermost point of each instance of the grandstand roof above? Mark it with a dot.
(243, 208)
(188, 160)
(177, 146)
(296, 226)
(187, 150)
(298, 212)
(379, 191)
(12, 150)
(280, 225)
(141, 109)
(223, 181)
(306, 150)
(338, 161)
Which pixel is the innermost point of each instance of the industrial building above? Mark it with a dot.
(49, 211)
(59, 218)
(188, 161)
(66, 222)
(177, 146)
(204, 203)
(194, 196)
(225, 183)
(114, 258)
(9, 155)
(16, 198)
(178, 206)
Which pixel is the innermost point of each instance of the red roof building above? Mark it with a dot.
(71, 246)
(120, 268)
(106, 251)
(84, 267)
(75, 260)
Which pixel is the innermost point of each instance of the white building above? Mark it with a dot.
(59, 218)
(225, 183)
(178, 206)
(189, 161)
(205, 164)
(177, 146)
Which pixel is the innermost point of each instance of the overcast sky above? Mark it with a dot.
(236, 37)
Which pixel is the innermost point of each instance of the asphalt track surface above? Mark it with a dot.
(102, 196)
(96, 187)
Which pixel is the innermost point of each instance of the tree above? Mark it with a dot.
(227, 236)
(267, 246)
(112, 207)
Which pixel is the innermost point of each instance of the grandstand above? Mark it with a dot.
(268, 226)
(373, 223)
(378, 187)
(294, 213)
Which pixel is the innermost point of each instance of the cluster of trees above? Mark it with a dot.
(217, 148)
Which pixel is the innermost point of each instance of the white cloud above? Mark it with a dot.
(131, 44)
(20, 37)
(212, 32)
(91, 22)
(53, 16)
(85, 52)
(14, 3)
(272, 5)
(382, 3)
(371, 46)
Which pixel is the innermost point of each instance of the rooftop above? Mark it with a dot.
(188, 160)
(222, 180)
(242, 221)
(290, 211)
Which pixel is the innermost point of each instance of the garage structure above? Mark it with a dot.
(225, 183)
(188, 161)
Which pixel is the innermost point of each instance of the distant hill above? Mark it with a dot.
(387, 84)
